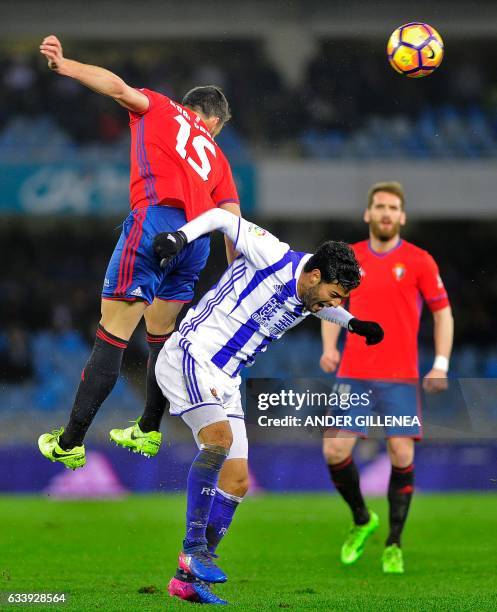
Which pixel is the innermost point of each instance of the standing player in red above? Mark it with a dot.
(177, 173)
(396, 277)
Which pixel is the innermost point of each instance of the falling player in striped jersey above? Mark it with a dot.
(268, 289)
(177, 172)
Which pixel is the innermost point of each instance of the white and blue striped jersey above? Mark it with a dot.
(255, 301)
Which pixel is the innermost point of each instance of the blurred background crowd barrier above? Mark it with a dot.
(318, 115)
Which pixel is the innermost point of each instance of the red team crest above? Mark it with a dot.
(399, 271)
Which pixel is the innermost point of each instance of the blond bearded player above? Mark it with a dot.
(396, 277)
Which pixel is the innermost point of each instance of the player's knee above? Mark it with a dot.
(401, 452)
(217, 434)
(239, 485)
(160, 317)
(401, 459)
(242, 487)
(334, 452)
(162, 328)
(121, 318)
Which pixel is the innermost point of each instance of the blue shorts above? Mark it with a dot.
(134, 272)
(377, 403)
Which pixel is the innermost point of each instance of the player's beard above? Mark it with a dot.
(310, 298)
(384, 233)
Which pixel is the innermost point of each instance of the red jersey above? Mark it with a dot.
(391, 292)
(175, 161)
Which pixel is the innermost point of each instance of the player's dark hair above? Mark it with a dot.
(392, 187)
(209, 100)
(337, 263)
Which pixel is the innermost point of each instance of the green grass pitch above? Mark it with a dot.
(281, 553)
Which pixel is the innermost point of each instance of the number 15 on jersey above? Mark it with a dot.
(201, 145)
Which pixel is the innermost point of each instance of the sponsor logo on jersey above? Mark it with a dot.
(399, 271)
(137, 292)
(273, 318)
(255, 229)
(278, 288)
(106, 282)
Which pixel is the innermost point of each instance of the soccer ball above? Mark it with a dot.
(415, 49)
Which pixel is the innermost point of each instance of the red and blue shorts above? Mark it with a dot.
(393, 406)
(134, 272)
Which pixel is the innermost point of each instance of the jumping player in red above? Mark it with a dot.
(396, 277)
(177, 173)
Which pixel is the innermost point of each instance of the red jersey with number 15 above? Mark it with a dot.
(175, 161)
(391, 292)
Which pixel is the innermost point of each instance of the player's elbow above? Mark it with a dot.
(231, 207)
(221, 220)
(119, 90)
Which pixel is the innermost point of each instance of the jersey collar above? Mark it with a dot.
(376, 254)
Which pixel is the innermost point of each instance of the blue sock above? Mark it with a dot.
(222, 511)
(201, 489)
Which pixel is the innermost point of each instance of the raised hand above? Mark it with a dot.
(51, 48)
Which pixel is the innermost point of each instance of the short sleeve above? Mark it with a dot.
(225, 191)
(431, 284)
(151, 95)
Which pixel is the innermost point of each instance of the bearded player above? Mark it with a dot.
(396, 276)
(177, 173)
(268, 290)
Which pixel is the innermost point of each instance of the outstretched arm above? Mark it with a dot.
(168, 244)
(372, 331)
(98, 79)
(214, 219)
(258, 245)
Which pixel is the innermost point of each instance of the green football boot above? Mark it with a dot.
(48, 444)
(134, 439)
(353, 546)
(392, 560)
